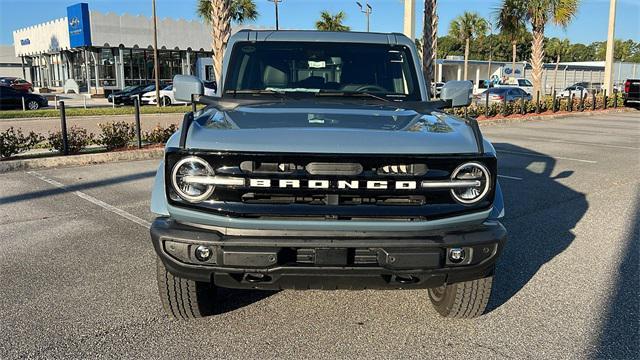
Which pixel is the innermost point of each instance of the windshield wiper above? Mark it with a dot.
(352, 94)
(254, 92)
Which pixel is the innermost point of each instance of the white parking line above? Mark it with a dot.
(583, 143)
(510, 177)
(91, 199)
(545, 156)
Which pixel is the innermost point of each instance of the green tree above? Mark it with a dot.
(330, 22)
(512, 28)
(538, 13)
(557, 49)
(429, 39)
(219, 14)
(465, 28)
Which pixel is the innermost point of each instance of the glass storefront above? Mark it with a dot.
(115, 67)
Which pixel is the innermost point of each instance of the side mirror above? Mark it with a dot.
(186, 85)
(459, 92)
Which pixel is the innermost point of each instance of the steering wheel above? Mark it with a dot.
(370, 88)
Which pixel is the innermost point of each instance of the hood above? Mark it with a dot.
(149, 94)
(348, 128)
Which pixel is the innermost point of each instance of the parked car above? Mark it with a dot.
(312, 170)
(482, 86)
(574, 90)
(166, 96)
(521, 83)
(498, 95)
(16, 83)
(436, 88)
(126, 95)
(632, 92)
(12, 99)
(210, 88)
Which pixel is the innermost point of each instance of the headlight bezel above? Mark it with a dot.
(174, 181)
(486, 186)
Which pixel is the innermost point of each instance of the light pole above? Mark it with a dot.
(275, 3)
(490, 52)
(367, 10)
(608, 65)
(155, 54)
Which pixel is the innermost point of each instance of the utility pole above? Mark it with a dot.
(367, 10)
(409, 26)
(155, 53)
(275, 3)
(490, 53)
(608, 66)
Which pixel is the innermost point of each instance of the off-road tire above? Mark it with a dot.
(462, 300)
(184, 299)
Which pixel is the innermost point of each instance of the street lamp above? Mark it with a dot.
(367, 10)
(155, 53)
(490, 52)
(275, 3)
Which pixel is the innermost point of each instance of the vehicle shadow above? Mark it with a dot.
(619, 331)
(233, 299)
(540, 214)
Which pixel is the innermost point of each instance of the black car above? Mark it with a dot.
(127, 94)
(12, 99)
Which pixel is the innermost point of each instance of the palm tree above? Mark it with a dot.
(512, 28)
(538, 13)
(219, 14)
(429, 39)
(558, 49)
(467, 27)
(329, 22)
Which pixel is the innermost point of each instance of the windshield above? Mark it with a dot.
(149, 88)
(326, 68)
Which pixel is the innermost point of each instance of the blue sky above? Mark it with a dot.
(590, 24)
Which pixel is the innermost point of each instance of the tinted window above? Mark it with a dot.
(524, 82)
(323, 67)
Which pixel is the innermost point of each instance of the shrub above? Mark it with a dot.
(77, 139)
(159, 134)
(13, 141)
(116, 135)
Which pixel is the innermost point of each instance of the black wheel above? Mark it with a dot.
(462, 300)
(184, 299)
(166, 101)
(33, 105)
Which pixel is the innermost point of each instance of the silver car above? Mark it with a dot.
(502, 94)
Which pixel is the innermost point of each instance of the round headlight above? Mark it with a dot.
(191, 166)
(471, 172)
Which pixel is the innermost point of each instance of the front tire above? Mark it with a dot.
(184, 299)
(463, 300)
(33, 105)
(166, 101)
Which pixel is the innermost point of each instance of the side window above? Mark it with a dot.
(527, 83)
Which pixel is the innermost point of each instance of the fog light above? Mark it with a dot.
(456, 255)
(203, 253)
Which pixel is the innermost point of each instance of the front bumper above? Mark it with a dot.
(353, 260)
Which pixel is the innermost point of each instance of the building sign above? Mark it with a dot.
(79, 25)
(25, 42)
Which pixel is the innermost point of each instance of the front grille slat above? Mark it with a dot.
(303, 200)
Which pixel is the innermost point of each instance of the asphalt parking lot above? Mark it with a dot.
(77, 269)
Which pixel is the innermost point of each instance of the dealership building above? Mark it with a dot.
(97, 53)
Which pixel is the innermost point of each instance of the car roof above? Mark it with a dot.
(321, 36)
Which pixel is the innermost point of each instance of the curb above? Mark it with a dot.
(79, 160)
(566, 114)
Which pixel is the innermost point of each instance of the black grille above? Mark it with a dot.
(333, 203)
